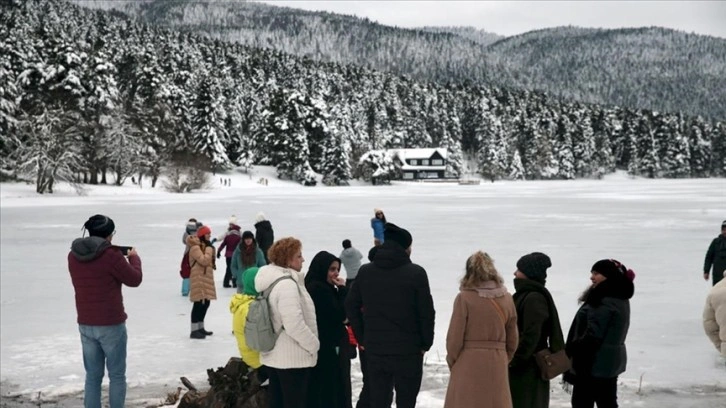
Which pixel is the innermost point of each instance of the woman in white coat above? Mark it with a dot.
(714, 316)
(289, 364)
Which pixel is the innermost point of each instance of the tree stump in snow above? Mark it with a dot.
(232, 386)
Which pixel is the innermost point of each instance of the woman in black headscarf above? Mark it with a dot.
(330, 381)
(539, 328)
(596, 341)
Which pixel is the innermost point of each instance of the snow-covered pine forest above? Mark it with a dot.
(89, 94)
(651, 68)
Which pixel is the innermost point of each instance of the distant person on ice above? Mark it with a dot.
(351, 258)
(392, 315)
(264, 235)
(378, 223)
(716, 256)
(714, 317)
(98, 270)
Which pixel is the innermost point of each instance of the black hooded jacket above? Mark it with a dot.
(596, 341)
(390, 305)
(264, 235)
(329, 309)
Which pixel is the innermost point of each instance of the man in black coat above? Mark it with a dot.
(716, 256)
(264, 235)
(392, 314)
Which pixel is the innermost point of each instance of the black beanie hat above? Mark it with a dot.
(394, 233)
(534, 266)
(100, 226)
(612, 269)
(248, 234)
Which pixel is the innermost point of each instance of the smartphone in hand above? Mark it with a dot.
(124, 249)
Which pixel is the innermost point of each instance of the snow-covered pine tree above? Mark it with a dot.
(562, 149)
(700, 147)
(674, 150)
(718, 149)
(210, 135)
(583, 142)
(516, 169)
(335, 165)
(286, 139)
(647, 147)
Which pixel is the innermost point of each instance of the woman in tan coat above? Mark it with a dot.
(201, 278)
(482, 338)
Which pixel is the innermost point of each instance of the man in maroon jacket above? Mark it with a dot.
(98, 269)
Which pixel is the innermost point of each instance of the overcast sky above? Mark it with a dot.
(516, 17)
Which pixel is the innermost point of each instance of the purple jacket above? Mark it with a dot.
(231, 240)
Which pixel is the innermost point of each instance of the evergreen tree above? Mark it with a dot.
(210, 134)
(336, 162)
(562, 149)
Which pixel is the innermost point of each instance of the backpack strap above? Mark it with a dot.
(266, 293)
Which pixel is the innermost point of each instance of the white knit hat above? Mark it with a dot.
(233, 220)
(260, 217)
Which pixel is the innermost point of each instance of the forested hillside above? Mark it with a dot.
(649, 68)
(89, 94)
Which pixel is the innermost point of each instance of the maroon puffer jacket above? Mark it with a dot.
(98, 270)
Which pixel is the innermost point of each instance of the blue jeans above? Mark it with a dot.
(104, 346)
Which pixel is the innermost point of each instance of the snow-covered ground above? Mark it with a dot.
(659, 228)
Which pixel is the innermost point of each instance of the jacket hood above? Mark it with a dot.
(489, 290)
(349, 254)
(389, 255)
(264, 224)
(89, 248)
(619, 288)
(269, 273)
(239, 300)
(318, 270)
(193, 240)
(234, 228)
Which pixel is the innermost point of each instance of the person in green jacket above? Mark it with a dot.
(716, 256)
(539, 328)
(246, 255)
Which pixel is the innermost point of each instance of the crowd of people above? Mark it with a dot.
(383, 314)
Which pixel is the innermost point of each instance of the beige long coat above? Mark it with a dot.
(201, 279)
(480, 343)
(714, 316)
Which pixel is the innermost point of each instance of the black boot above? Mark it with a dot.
(197, 334)
(206, 333)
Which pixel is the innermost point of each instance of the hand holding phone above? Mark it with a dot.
(125, 249)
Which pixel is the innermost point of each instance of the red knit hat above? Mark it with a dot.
(203, 230)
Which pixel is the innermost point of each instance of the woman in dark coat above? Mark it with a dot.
(596, 341)
(330, 380)
(539, 328)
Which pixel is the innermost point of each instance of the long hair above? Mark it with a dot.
(479, 269)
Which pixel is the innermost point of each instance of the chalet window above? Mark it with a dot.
(437, 162)
(424, 162)
(408, 176)
(414, 162)
(433, 175)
